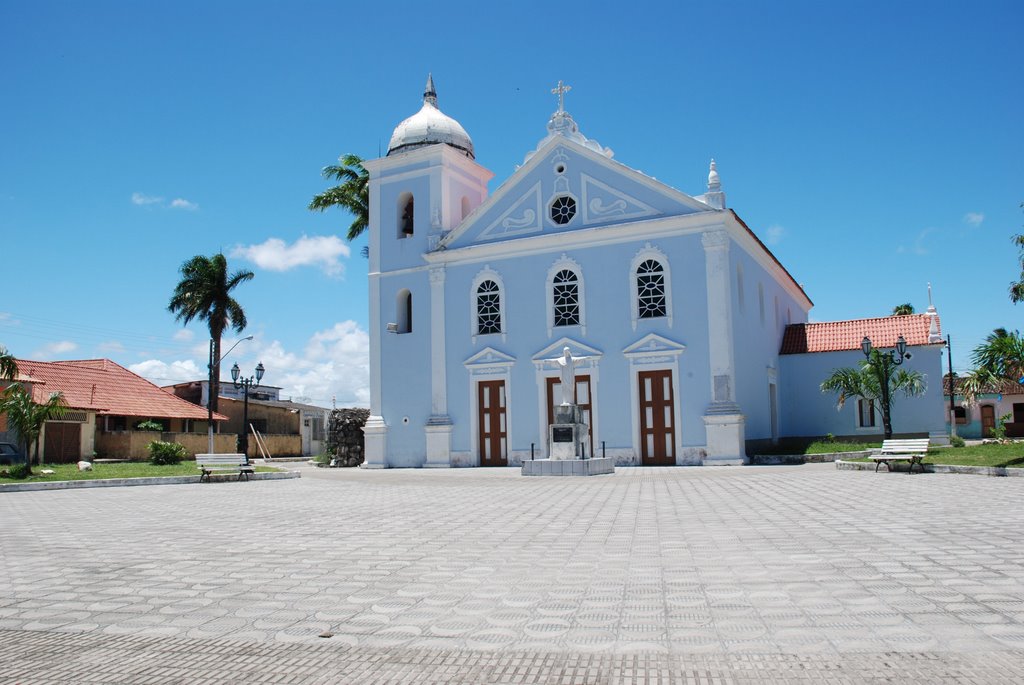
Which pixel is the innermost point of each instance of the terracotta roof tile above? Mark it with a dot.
(836, 336)
(107, 388)
(1002, 387)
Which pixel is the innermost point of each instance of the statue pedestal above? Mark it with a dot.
(567, 440)
(567, 435)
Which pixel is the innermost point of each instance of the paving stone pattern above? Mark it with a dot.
(688, 575)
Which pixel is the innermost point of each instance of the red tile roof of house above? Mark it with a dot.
(107, 388)
(836, 336)
(1000, 387)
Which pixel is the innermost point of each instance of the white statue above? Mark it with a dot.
(567, 364)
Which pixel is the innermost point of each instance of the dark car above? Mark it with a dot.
(9, 454)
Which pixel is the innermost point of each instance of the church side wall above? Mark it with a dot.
(758, 339)
(607, 301)
(809, 412)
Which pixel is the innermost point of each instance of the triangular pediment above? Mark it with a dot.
(577, 349)
(564, 187)
(489, 357)
(652, 343)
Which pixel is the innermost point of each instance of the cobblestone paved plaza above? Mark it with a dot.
(678, 575)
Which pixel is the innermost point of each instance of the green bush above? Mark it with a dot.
(956, 441)
(18, 471)
(149, 425)
(164, 453)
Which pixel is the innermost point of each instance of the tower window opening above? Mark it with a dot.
(406, 215)
(403, 307)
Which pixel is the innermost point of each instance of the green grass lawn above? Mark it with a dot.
(1011, 455)
(805, 446)
(123, 470)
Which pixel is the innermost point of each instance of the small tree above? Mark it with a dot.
(997, 360)
(8, 365)
(877, 378)
(1017, 287)
(28, 417)
(903, 309)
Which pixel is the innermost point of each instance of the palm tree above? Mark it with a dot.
(8, 365)
(27, 417)
(353, 193)
(903, 309)
(204, 293)
(876, 379)
(1017, 287)
(999, 359)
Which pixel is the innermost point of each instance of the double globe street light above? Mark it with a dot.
(245, 384)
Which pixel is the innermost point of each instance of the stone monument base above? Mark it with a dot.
(568, 467)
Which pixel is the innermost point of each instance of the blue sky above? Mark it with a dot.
(876, 146)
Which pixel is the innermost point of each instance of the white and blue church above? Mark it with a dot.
(694, 339)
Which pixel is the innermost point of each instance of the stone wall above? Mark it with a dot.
(345, 436)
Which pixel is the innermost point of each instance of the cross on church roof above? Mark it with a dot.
(560, 91)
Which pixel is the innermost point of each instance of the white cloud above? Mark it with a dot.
(142, 199)
(110, 346)
(163, 373)
(974, 218)
(54, 349)
(183, 335)
(920, 246)
(774, 234)
(275, 255)
(182, 203)
(335, 362)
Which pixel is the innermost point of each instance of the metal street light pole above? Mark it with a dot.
(952, 390)
(245, 384)
(209, 391)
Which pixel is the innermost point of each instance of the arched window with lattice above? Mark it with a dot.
(488, 308)
(651, 286)
(565, 294)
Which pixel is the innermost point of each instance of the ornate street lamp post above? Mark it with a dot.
(893, 357)
(209, 390)
(245, 384)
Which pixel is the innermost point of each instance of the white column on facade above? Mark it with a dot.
(723, 421)
(439, 425)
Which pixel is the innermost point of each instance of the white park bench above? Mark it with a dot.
(235, 463)
(912, 450)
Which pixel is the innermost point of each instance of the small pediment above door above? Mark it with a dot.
(653, 344)
(576, 348)
(489, 357)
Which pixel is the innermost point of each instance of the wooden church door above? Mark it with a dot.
(657, 409)
(492, 422)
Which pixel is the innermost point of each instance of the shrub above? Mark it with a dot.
(165, 453)
(18, 471)
(149, 426)
(999, 430)
(956, 441)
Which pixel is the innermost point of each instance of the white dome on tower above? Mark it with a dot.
(430, 126)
